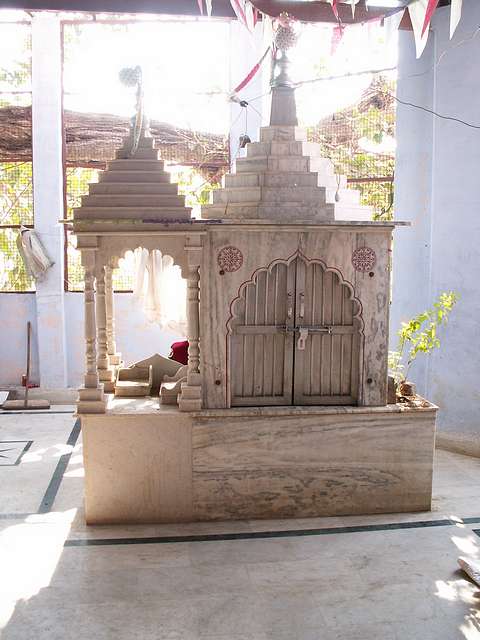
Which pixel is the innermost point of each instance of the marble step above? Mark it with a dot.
(133, 200)
(288, 211)
(134, 164)
(284, 163)
(132, 188)
(255, 149)
(283, 134)
(284, 179)
(345, 211)
(271, 194)
(134, 213)
(134, 176)
(140, 154)
(350, 196)
(299, 194)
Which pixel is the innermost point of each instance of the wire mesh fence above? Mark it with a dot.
(77, 182)
(360, 141)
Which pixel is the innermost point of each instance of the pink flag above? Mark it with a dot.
(239, 7)
(431, 6)
(200, 6)
(335, 8)
(337, 35)
(251, 73)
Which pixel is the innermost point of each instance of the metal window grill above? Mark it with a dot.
(77, 181)
(16, 191)
(359, 141)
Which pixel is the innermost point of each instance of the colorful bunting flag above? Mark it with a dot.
(253, 71)
(337, 35)
(353, 3)
(334, 8)
(417, 15)
(431, 6)
(239, 7)
(455, 15)
(200, 6)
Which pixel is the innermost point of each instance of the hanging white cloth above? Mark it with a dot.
(36, 260)
(162, 290)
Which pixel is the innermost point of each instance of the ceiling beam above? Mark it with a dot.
(317, 11)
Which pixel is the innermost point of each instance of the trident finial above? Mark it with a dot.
(132, 77)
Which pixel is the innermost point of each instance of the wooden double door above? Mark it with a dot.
(295, 338)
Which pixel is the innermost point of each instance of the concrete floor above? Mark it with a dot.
(361, 580)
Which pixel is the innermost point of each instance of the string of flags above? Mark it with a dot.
(420, 11)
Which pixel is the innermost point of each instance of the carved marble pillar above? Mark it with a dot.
(105, 372)
(114, 358)
(190, 398)
(91, 397)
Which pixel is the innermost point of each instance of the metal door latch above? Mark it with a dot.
(289, 306)
(302, 339)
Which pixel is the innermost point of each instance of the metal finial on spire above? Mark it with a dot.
(284, 110)
(132, 77)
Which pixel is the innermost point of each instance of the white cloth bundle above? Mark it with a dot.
(162, 290)
(36, 260)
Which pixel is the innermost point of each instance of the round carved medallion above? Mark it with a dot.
(230, 259)
(364, 259)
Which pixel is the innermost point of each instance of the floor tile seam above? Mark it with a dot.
(266, 535)
(35, 413)
(53, 487)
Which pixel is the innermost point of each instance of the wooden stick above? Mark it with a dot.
(27, 376)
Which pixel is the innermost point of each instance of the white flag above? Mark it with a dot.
(455, 15)
(417, 15)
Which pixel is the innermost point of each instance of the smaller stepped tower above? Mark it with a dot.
(135, 186)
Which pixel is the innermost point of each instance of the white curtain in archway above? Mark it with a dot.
(162, 290)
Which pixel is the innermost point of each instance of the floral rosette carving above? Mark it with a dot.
(230, 259)
(364, 259)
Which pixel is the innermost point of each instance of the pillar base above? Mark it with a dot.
(106, 375)
(91, 400)
(190, 398)
(109, 386)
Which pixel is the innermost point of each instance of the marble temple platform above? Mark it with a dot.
(151, 464)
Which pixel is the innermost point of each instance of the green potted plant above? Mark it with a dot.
(418, 335)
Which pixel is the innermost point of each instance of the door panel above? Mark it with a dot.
(261, 348)
(324, 368)
(270, 362)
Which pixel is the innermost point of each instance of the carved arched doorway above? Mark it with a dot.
(295, 337)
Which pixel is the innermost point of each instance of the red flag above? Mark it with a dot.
(431, 6)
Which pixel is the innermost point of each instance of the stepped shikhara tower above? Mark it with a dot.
(283, 176)
(134, 187)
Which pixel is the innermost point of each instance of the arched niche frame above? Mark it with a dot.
(267, 362)
(101, 253)
(111, 249)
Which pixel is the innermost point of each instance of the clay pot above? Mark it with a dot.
(407, 388)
